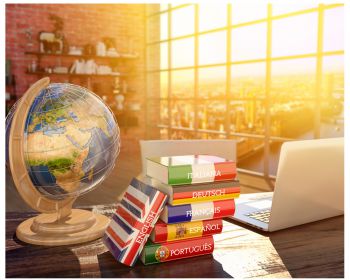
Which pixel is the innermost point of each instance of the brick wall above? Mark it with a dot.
(83, 24)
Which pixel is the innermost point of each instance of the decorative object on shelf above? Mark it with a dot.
(90, 67)
(119, 98)
(78, 67)
(53, 42)
(49, 43)
(89, 50)
(59, 156)
(73, 50)
(60, 69)
(104, 70)
(100, 49)
(48, 70)
(111, 49)
(109, 42)
(29, 35)
(33, 67)
(112, 52)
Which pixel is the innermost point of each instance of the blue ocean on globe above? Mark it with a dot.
(71, 140)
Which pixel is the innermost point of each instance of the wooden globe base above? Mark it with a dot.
(50, 230)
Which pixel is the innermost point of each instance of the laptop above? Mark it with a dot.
(309, 187)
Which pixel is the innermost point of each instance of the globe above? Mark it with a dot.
(71, 140)
(62, 140)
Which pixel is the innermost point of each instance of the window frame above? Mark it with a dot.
(319, 54)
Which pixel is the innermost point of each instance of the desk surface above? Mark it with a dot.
(312, 250)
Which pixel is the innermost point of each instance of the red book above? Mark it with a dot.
(195, 193)
(163, 232)
(170, 251)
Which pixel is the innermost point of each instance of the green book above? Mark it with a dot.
(169, 251)
(190, 169)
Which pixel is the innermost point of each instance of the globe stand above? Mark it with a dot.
(59, 224)
(67, 226)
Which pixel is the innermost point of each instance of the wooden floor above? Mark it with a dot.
(127, 166)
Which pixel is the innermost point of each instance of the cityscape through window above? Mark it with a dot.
(260, 75)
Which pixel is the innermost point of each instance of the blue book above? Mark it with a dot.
(198, 211)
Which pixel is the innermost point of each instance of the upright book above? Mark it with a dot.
(202, 192)
(157, 253)
(190, 169)
(163, 232)
(198, 211)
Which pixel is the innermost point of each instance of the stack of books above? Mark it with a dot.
(201, 190)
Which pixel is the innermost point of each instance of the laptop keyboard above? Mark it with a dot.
(262, 216)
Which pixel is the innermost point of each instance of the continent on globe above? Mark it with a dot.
(70, 179)
(71, 140)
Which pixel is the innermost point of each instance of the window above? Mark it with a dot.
(261, 76)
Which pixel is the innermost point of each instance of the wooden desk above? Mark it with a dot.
(312, 250)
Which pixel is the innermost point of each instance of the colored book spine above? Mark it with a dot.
(133, 221)
(190, 169)
(156, 253)
(198, 211)
(201, 173)
(163, 232)
(205, 195)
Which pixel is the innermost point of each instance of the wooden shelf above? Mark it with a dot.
(75, 75)
(120, 57)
